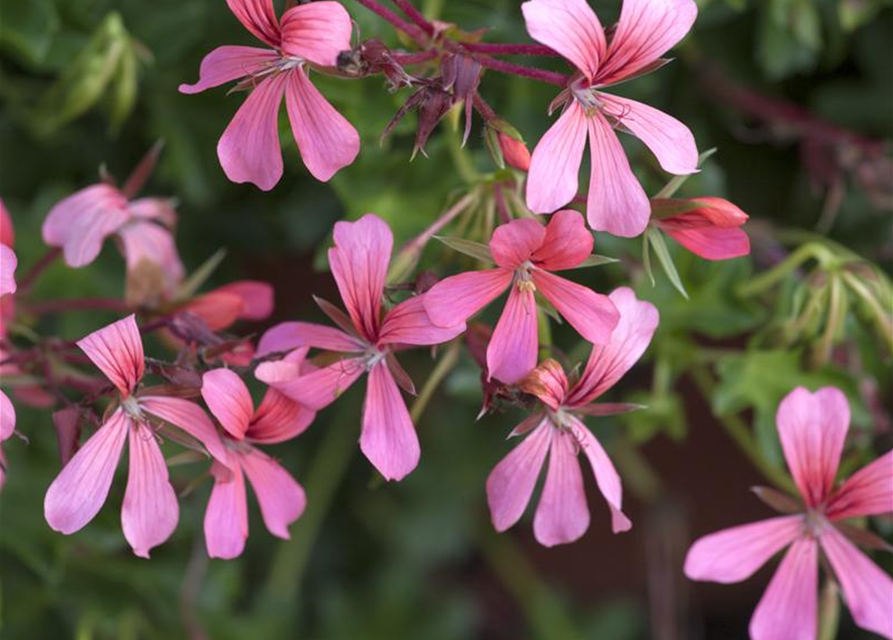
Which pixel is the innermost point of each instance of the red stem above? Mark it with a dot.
(551, 77)
(78, 304)
(27, 281)
(493, 48)
(415, 15)
(411, 30)
(407, 59)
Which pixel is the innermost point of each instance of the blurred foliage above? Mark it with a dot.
(87, 83)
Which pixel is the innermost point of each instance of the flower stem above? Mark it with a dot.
(78, 304)
(415, 15)
(27, 281)
(493, 48)
(550, 77)
(408, 59)
(447, 361)
(414, 32)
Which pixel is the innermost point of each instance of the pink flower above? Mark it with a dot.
(558, 431)
(281, 498)
(81, 222)
(7, 428)
(812, 428)
(526, 253)
(647, 29)
(309, 34)
(370, 338)
(708, 227)
(241, 300)
(8, 264)
(150, 512)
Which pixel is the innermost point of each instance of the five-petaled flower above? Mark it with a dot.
(646, 30)
(308, 34)
(708, 227)
(526, 253)
(557, 430)
(369, 338)
(277, 419)
(812, 428)
(150, 512)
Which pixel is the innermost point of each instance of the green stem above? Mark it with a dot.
(544, 329)
(446, 363)
(829, 611)
(461, 161)
(776, 274)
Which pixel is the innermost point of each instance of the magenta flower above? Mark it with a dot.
(8, 264)
(812, 428)
(309, 34)
(369, 338)
(558, 431)
(526, 253)
(708, 227)
(647, 29)
(281, 498)
(150, 511)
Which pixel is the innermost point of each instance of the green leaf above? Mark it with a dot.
(471, 248)
(596, 260)
(656, 240)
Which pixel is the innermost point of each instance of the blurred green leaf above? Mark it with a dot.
(27, 28)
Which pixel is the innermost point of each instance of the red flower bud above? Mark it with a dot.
(708, 227)
(514, 152)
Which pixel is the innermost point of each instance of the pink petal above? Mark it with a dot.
(225, 64)
(249, 148)
(867, 589)
(259, 18)
(7, 417)
(226, 518)
(592, 314)
(229, 400)
(8, 263)
(79, 491)
(315, 390)
(317, 32)
(217, 309)
(569, 27)
(548, 383)
(7, 232)
(512, 351)
(455, 299)
(359, 262)
(150, 512)
(735, 554)
(608, 363)
(326, 140)
(567, 243)
(118, 352)
(788, 609)
(257, 298)
(281, 498)
(279, 418)
(161, 210)
(290, 335)
(81, 222)
(189, 417)
(388, 438)
(511, 483)
(150, 242)
(867, 492)
(514, 243)
(812, 428)
(562, 515)
(408, 323)
(606, 476)
(669, 140)
(646, 31)
(713, 243)
(555, 164)
(616, 202)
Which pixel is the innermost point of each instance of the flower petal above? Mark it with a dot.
(608, 363)
(812, 428)
(249, 148)
(457, 298)
(512, 351)
(867, 589)
(228, 63)
(217, 309)
(592, 314)
(567, 243)
(315, 390)
(150, 242)
(514, 243)
(606, 476)
(571, 28)
(229, 400)
(189, 417)
(547, 382)
(616, 202)
(150, 512)
(7, 232)
(257, 298)
(259, 17)
(326, 140)
(867, 492)
(82, 221)
(8, 263)
(511, 483)
(388, 438)
(408, 323)
(735, 554)
(713, 243)
(226, 518)
(290, 335)
(279, 418)
(118, 352)
(7, 417)
(79, 491)
(317, 32)
(562, 515)
(281, 498)
(555, 164)
(788, 609)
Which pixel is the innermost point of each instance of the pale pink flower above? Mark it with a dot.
(308, 35)
(526, 253)
(646, 30)
(369, 337)
(150, 511)
(812, 428)
(557, 431)
(277, 419)
(708, 227)
(7, 428)
(80, 223)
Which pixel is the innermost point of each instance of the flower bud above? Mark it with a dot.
(708, 227)
(514, 152)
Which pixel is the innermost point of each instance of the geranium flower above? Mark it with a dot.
(557, 430)
(812, 428)
(150, 511)
(309, 34)
(369, 338)
(526, 253)
(646, 30)
(277, 419)
(708, 227)
(8, 264)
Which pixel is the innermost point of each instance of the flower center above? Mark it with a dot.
(523, 279)
(132, 408)
(814, 523)
(372, 356)
(592, 101)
